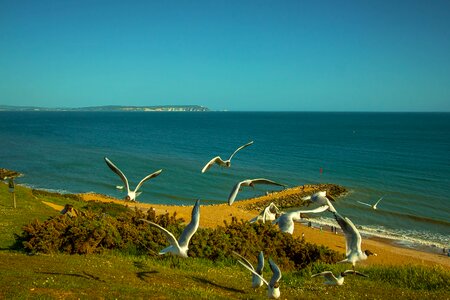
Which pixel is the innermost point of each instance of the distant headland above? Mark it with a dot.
(182, 108)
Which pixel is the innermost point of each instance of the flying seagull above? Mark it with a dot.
(374, 206)
(249, 182)
(319, 198)
(180, 247)
(353, 240)
(221, 162)
(256, 280)
(286, 220)
(330, 279)
(131, 195)
(269, 213)
(273, 287)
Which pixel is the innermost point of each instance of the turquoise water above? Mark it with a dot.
(401, 156)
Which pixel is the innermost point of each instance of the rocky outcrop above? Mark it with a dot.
(292, 197)
(5, 174)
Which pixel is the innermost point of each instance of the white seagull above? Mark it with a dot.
(223, 163)
(330, 279)
(374, 206)
(249, 182)
(286, 220)
(256, 280)
(273, 287)
(269, 213)
(131, 195)
(319, 198)
(353, 240)
(180, 247)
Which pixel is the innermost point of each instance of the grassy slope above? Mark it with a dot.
(118, 276)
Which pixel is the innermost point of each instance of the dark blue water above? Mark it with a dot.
(402, 156)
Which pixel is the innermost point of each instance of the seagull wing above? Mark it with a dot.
(346, 272)
(191, 228)
(234, 193)
(297, 213)
(253, 271)
(352, 235)
(330, 207)
(276, 273)
(285, 221)
(147, 178)
(329, 197)
(375, 205)
(169, 236)
(240, 148)
(364, 203)
(255, 219)
(216, 159)
(116, 170)
(245, 260)
(272, 205)
(266, 181)
(315, 210)
(327, 274)
(260, 266)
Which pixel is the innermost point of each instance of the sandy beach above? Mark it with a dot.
(215, 215)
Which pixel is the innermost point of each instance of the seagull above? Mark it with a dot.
(256, 280)
(249, 182)
(273, 287)
(286, 220)
(353, 239)
(267, 214)
(221, 162)
(318, 198)
(131, 195)
(330, 279)
(180, 247)
(374, 206)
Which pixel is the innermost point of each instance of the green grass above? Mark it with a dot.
(117, 275)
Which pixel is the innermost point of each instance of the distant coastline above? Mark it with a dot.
(172, 108)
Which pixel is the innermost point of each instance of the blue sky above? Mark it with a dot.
(235, 55)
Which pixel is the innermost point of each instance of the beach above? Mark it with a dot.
(388, 253)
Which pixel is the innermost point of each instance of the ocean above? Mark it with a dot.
(403, 157)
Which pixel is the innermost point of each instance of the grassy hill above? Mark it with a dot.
(114, 274)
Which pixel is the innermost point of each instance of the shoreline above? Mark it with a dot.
(389, 252)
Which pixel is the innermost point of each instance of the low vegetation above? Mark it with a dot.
(96, 230)
(119, 258)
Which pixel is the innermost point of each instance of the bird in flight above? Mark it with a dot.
(249, 182)
(330, 279)
(353, 252)
(131, 195)
(374, 206)
(273, 287)
(180, 247)
(223, 163)
(256, 280)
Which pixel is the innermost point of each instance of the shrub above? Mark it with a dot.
(248, 239)
(94, 231)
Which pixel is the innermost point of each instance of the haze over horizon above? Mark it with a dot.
(244, 56)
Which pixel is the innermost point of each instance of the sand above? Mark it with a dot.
(215, 215)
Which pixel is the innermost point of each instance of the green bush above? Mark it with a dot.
(248, 239)
(95, 231)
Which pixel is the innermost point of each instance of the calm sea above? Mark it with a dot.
(404, 157)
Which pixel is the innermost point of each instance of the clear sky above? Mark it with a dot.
(235, 55)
